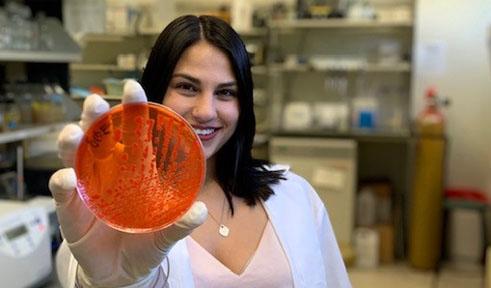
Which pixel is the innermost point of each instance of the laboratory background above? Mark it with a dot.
(382, 105)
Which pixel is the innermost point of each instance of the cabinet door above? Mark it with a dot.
(330, 167)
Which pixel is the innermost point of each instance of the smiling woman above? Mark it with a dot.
(204, 58)
(267, 227)
(206, 100)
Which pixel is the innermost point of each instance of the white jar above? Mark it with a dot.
(366, 208)
(367, 247)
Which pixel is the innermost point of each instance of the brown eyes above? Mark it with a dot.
(189, 89)
(227, 92)
(186, 88)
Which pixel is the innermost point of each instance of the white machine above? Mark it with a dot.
(25, 244)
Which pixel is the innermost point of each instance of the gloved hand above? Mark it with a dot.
(108, 257)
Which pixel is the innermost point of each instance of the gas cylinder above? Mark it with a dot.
(425, 206)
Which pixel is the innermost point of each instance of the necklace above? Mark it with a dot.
(223, 230)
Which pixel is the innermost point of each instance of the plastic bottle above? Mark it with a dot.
(366, 208)
(12, 115)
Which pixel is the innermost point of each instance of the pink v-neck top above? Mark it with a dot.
(268, 266)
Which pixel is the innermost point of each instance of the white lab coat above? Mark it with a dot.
(300, 220)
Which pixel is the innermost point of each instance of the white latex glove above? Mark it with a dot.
(108, 257)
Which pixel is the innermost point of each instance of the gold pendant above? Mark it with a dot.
(223, 230)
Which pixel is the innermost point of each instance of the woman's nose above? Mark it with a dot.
(204, 108)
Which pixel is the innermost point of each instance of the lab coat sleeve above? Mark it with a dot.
(336, 274)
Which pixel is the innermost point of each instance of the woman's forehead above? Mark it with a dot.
(203, 60)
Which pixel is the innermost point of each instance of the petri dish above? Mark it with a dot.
(139, 167)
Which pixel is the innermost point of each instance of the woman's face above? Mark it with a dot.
(204, 91)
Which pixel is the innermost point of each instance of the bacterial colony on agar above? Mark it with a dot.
(139, 167)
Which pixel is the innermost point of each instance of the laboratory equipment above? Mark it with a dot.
(25, 248)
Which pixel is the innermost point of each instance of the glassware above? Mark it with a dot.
(20, 25)
(5, 34)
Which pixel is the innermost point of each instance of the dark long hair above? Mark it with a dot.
(238, 173)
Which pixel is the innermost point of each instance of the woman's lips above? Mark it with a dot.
(206, 133)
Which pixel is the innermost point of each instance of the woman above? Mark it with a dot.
(266, 227)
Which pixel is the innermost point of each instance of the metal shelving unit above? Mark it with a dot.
(62, 48)
(55, 46)
(116, 37)
(309, 59)
(360, 135)
(38, 56)
(21, 134)
(338, 23)
(366, 67)
(30, 131)
(254, 32)
(99, 67)
(328, 61)
(259, 70)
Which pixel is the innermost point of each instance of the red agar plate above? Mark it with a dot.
(139, 167)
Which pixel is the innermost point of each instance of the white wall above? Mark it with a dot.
(458, 32)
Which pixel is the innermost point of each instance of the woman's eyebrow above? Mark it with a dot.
(227, 84)
(187, 77)
(197, 81)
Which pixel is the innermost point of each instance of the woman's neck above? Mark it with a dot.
(210, 170)
(211, 188)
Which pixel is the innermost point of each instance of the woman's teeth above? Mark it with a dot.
(204, 132)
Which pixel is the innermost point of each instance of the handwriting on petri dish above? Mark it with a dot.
(97, 136)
